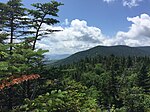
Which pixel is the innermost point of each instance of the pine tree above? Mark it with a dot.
(144, 78)
(12, 14)
(21, 63)
(41, 15)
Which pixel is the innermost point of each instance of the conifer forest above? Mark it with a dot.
(93, 84)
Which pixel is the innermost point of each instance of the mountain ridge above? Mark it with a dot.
(118, 50)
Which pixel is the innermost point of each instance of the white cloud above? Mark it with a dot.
(139, 31)
(131, 3)
(65, 23)
(75, 37)
(128, 3)
(79, 36)
(108, 1)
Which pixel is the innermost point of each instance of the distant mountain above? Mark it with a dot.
(56, 56)
(119, 50)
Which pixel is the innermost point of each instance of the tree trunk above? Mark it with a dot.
(10, 99)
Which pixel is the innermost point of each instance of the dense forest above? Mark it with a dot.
(93, 84)
(118, 50)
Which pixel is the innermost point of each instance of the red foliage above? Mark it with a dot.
(12, 81)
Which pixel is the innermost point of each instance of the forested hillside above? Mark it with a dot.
(109, 83)
(119, 51)
(94, 83)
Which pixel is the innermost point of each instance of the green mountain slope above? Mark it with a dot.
(119, 50)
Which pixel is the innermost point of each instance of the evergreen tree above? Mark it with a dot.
(12, 14)
(144, 78)
(40, 15)
(22, 60)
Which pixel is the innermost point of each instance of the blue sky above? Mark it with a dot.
(110, 17)
(88, 23)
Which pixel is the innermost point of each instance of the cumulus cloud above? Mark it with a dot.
(79, 36)
(139, 31)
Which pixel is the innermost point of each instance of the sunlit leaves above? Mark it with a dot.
(73, 99)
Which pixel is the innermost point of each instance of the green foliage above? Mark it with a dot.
(74, 98)
(21, 58)
(135, 100)
(12, 14)
(96, 81)
(122, 82)
(119, 51)
(100, 86)
(134, 97)
(41, 14)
